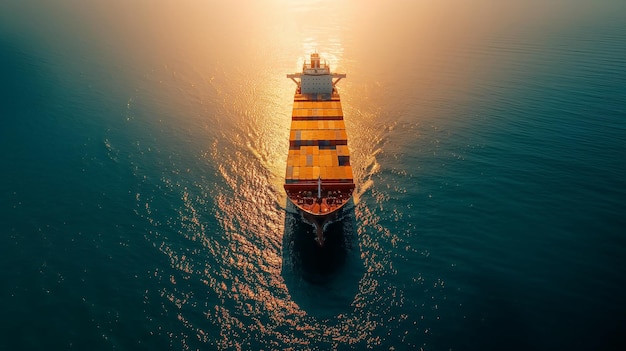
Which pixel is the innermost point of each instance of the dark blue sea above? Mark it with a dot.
(143, 147)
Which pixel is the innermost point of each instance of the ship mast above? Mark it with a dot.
(319, 187)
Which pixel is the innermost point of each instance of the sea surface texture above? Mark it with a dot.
(142, 155)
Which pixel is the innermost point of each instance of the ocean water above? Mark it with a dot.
(143, 147)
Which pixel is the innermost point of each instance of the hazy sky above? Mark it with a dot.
(410, 40)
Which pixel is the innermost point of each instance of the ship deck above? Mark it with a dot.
(318, 152)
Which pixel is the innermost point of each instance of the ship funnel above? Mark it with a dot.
(315, 60)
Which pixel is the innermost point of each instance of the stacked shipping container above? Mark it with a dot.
(318, 144)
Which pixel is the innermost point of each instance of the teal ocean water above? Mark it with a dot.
(143, 148)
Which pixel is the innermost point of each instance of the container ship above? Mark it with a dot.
(318, 179)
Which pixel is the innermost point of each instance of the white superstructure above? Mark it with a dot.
(316, 77)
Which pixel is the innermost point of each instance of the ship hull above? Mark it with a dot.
(320, 221)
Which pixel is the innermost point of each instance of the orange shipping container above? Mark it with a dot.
(308, 173)
(342, 150)
(332, 172)
(348, 172)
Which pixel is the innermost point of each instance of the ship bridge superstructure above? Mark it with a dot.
(316, 78)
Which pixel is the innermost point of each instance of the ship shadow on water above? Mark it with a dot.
(322, 280)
